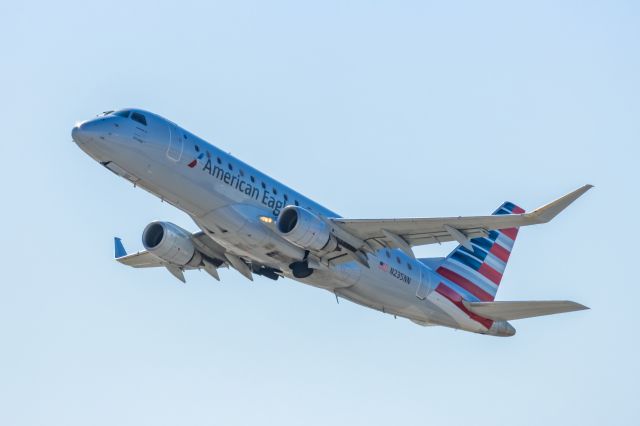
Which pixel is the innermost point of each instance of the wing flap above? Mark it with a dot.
(507, 311)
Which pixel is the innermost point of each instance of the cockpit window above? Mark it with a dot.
(124, 113)
(136, 116)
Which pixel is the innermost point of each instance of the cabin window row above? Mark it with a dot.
(398, 260)
(252, 178)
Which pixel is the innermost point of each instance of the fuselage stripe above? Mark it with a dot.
(483, 243)
(500, 252)
(466, 259)
(465, 283)
(504, 241)
(477, 253)
(471, 275)
(495, 263)
(490, 273)
(511, 233)
(455, 298)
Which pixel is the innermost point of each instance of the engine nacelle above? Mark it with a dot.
(171, 243)
(306, 230)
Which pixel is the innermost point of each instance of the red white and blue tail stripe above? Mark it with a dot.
(475, 275)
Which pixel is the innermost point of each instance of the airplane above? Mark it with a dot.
(256, 225)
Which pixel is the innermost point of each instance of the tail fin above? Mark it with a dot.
(475, 275)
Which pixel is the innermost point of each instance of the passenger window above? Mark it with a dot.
(230, 166)
(275, 192)
(136, 116)
(253, 180)
(296, 203)
(264, 186)
(219, 160)
(124, 114)
(197, 148)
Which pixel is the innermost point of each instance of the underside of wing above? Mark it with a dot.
(142, 259)
(421, 231)
(208, 246)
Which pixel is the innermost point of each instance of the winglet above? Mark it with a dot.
(119, 248)
(547, 212)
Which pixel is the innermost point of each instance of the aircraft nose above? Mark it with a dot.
(76, 133)
(83, 132)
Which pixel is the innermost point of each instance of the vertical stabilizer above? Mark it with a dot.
(476, 274)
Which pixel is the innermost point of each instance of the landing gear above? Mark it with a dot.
(301, 269)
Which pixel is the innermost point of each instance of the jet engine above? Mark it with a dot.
(171, 243)
(306, 230)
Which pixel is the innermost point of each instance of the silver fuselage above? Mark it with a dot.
(226, 198)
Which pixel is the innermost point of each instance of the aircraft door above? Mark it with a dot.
(425, 284)
(176, 142)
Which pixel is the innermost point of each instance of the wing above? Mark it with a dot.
(213, 254)
(145, 259)
(141, 259)
(405, 233)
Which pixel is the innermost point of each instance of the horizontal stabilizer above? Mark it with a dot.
(506, 311)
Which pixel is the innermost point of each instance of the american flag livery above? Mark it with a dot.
(475, 275)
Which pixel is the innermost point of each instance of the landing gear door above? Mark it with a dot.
(175, 143)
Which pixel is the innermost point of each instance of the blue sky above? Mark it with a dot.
(375, 109)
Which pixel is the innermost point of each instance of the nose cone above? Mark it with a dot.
(80, 133)
(90, 137)
(88, 131)
(76, 133)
